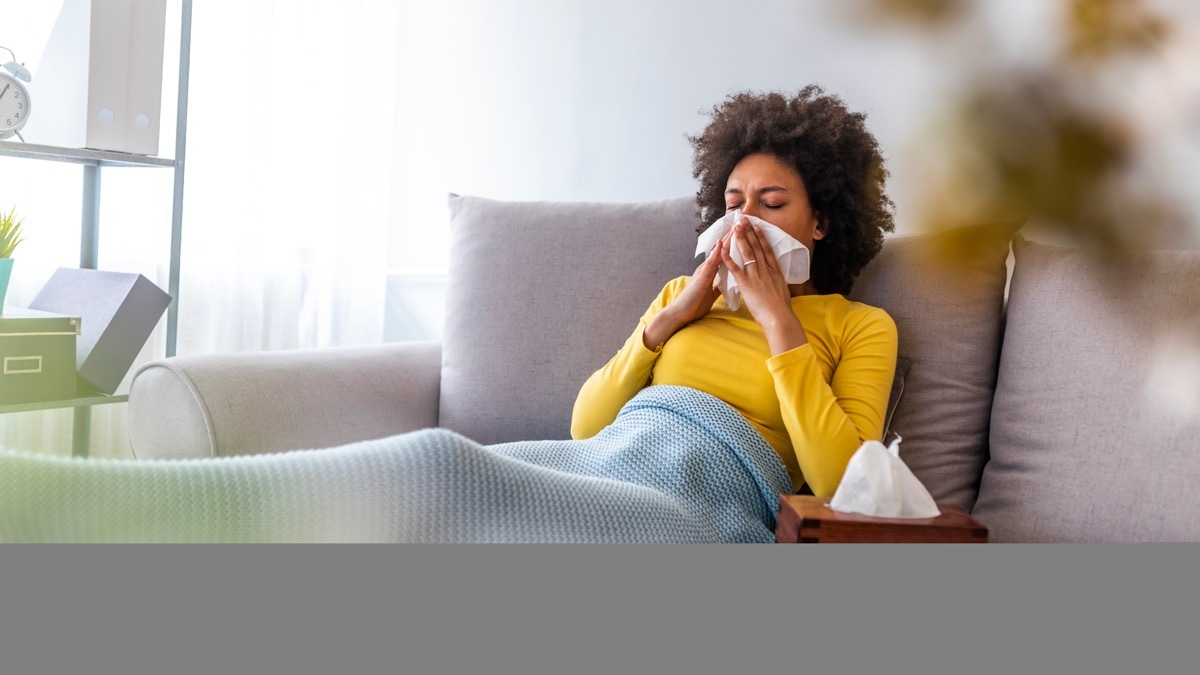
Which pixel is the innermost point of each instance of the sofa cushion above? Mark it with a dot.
(552, 315)
(1095, 432)
(945, 292)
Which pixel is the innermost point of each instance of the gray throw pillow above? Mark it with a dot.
(902, 366)
(540, 295)
(948, 311)
(1095, 431)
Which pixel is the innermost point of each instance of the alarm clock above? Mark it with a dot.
(14, 100)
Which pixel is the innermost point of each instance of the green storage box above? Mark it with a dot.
(37, 356)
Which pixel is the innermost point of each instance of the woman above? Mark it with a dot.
(809, 369)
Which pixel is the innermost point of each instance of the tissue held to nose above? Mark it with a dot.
(793, 256)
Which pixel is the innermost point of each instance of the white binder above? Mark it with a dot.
(143, 88)
(98, 83)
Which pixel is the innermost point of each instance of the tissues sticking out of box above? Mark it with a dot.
(878, 483)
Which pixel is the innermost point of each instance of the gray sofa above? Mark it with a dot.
(1059, 415)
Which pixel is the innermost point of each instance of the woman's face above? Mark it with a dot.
(766, 187)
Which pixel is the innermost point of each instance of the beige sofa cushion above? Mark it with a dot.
(1095, 431)
(540, 295)
(949, 315)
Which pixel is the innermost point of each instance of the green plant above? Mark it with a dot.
(10, 232)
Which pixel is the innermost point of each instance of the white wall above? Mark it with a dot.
(591, 100)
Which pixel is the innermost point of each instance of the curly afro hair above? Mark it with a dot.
(837, 158)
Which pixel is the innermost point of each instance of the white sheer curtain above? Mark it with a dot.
(288, 195)
(288, 198)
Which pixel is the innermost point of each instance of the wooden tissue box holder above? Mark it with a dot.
(804, 519)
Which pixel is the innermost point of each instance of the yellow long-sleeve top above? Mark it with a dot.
(814, 404)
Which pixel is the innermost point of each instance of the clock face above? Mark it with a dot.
(14, 105)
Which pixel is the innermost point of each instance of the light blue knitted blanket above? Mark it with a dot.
(677, 465)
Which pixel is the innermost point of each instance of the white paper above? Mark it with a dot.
(789, 252)
(878, 483)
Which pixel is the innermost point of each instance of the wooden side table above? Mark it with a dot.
(804, 519)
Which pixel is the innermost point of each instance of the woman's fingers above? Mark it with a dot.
(765, 255)
(749, 244)
(727, 260)
(713, 261)
(725, 242)
(702, 291)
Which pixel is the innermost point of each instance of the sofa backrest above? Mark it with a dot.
(540, 295)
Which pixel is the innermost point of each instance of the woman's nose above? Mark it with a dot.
(750, 209)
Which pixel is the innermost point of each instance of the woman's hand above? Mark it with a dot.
(693, 303)
(764, 288)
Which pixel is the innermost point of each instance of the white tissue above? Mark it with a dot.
(878, 483)
(790, 253)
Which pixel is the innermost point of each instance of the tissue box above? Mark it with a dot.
(119, 312)
(805, 519)
(37, 356)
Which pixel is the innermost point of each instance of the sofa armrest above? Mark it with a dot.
(261, 402)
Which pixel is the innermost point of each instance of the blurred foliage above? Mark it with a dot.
(1022, 145)
(920, 13)
(1097, 30)
(1047, 139)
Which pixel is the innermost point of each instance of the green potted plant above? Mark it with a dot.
(10, 236)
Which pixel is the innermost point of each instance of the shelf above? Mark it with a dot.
(92, 162)
(79, 155)
(78, 402)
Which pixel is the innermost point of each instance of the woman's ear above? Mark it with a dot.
(820, 230)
